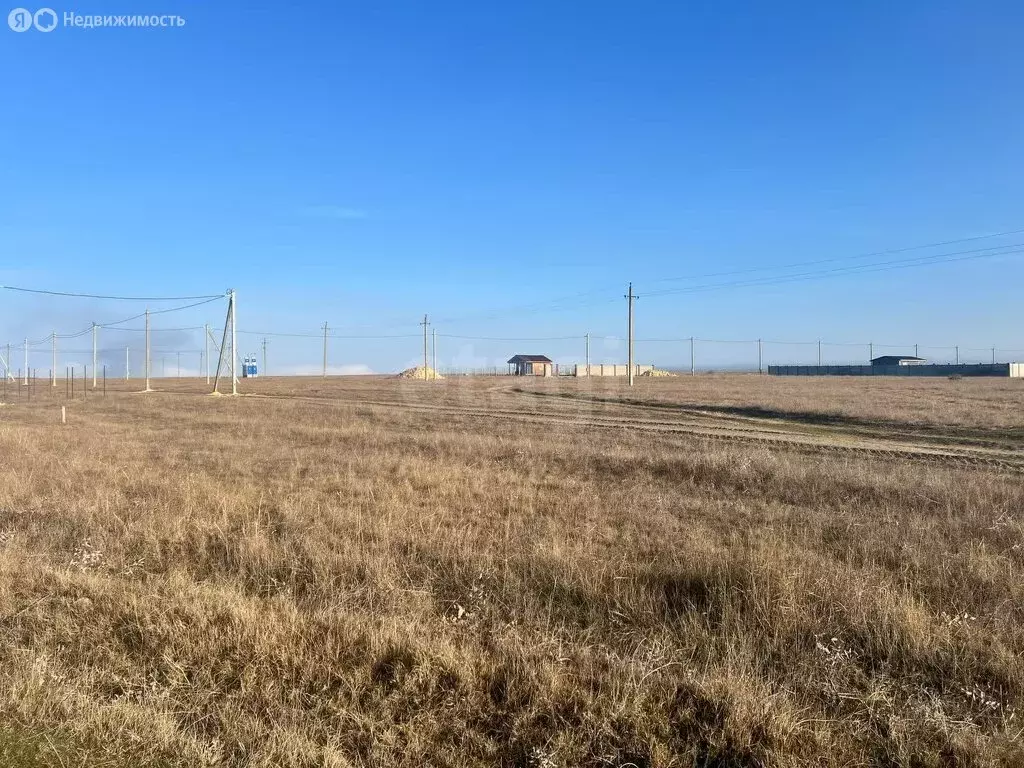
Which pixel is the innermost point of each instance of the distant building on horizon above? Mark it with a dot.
(531, 365)
(886, 360)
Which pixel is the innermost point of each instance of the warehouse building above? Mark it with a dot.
(913, 368)
(898, 360)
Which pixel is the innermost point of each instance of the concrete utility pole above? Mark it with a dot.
(147, 352)
(629, 333)
(94, 334)
(819, 353)
(325, 350)
(234, 341)
(264, 356)
(693, 371)
(871, 351)
(8, 363)
(759, 367)
(425, 323)
(53, 346)
(433, 353)
(127, 365)
(206, 342)
(993, 354)
(957, 348)
(26, 363)
(588, 353)
(915, 350)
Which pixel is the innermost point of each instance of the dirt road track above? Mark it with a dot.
(507, 405)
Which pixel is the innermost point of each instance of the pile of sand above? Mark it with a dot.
(420, 372)
(658, 372)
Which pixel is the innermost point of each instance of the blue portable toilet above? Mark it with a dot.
(249, 367)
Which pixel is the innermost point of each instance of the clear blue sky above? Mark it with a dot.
(364, 163)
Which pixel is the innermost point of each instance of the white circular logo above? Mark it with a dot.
(45, 20)
(20, 19)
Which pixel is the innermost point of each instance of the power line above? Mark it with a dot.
(885, 266)
(111, 298)
(519, 338)
(887, 252)
(320, 335)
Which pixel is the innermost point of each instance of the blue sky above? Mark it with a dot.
(365, 163)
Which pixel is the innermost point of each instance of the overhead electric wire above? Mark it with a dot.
(887, 252)
(517, 338)
(110, 298)
(320, 335)
(885, 266)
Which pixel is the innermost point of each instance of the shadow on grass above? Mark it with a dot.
(30, 748)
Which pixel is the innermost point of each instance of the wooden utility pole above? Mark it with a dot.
(325, 350)
(425, 323)
(871, 351)
(629, 334)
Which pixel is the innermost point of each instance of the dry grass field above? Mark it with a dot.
(710, 571)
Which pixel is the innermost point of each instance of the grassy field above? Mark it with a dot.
(710, 571)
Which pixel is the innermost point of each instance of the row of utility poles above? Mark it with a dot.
(429, 349)
(632, 297)
(229, 325)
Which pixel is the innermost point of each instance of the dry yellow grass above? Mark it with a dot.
(720, 571)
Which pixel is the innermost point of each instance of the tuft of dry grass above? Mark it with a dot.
(400, 573)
